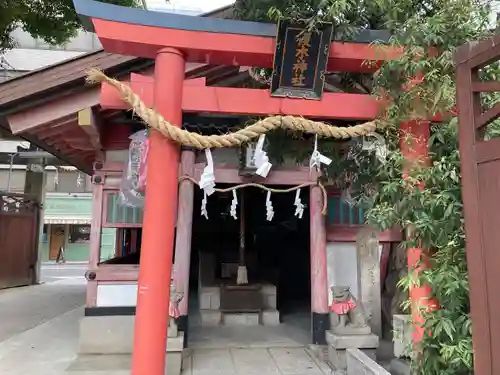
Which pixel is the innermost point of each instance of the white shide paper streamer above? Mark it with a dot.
(299, 206)
(207, 180)
(317, 158)
(261, 159)
(269, 207)
(234, 204)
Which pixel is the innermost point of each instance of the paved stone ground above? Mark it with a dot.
(50, 349)
(253, 361)
(47, 349)
(39, 335)
(24, 308)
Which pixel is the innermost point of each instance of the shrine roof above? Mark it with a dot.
(39, 90)
(90, 9)
(42, 85)
(48, 100)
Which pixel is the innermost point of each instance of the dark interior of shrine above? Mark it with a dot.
(276, 251)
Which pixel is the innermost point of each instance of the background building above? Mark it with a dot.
(67, 210)
(67, 203)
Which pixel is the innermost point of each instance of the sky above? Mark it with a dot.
(193, 5)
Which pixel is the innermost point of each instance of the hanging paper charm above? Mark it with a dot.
(269, 207)
(130, 190)
(79, 179)
(317, 158)
(56, 177)
(207, 180)
(261, 159)
(204, 206)
(299, 206)
(143, 164)
(377, 145)
(234, 204)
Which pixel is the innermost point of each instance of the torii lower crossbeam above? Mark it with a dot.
(198, 98)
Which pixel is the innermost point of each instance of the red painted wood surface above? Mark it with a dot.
(227, 49)
(116, 272)
(64, 108)
(480, 168)
(227, 100)
(116, 136)
(347, 233)
(384, 261)
(413, 142)
(319, 280)
(184, 229)
(95, 225)
(231, 175)
(160, 216)
(95, 241)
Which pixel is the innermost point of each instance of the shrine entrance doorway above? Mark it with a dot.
(274, 307)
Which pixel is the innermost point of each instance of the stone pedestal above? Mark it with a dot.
(105, 338)
(173, 330)
(368, 261)
(211, 314)
(211, 318)
(400, 367)
(243, 319)
(359, 363)
(114, 335)
(209, 298)
(338, 344)
(402, 337)
(270, 317)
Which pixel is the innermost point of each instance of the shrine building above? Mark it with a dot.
(251, 258)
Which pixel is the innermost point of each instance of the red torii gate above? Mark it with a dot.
(172, 40)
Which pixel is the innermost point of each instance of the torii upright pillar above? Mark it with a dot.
(160, 215)
(414, 139)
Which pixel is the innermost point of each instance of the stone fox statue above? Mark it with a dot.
(346, 311)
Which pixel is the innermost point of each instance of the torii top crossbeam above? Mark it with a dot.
(142, 33)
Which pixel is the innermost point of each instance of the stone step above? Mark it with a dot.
(241, 319)
(270, 317)
(400, 367)
(116, 364)
(210, 318)
(358, 362)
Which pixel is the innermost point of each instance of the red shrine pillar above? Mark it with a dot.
(319, 282)
(414, 138)
(160, 214)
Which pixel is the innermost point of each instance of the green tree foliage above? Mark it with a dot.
(435, 212)
(54, 21)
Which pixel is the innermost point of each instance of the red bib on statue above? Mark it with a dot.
(342, 307)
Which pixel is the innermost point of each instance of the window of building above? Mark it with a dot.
(79, 233)
(45, 233)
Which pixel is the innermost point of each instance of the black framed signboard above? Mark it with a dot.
(300, 60)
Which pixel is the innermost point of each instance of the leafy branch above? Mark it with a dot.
(430, 198)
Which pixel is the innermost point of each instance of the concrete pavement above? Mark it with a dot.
(51, 349)
(39, 335)
(26, 307)
(47, 349)
(52, 272)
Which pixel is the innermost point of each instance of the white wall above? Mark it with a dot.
(116, 295)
